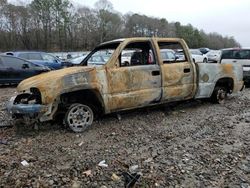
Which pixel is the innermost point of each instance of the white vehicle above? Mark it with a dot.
(198, 57)
(213, 55)
(168, 55)
(238, 56)
(126, 58)
(77, 60)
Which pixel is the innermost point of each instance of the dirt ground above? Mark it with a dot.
(193, 144)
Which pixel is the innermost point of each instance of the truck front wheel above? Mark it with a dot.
(219, 95)
(79, 117)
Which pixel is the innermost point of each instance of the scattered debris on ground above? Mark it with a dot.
(194, 144)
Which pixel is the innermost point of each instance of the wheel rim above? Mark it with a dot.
(221, 95)
(79, 117)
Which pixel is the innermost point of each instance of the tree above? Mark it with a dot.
(57, 25)
(108, 22)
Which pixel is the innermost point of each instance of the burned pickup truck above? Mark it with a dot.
(103, 83)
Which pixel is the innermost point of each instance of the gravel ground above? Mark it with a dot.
(193, 144)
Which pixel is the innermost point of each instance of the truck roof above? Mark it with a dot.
(139, 38)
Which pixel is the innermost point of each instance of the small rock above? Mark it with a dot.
(18, 183)
(244, 185)
(220, 133)
(47, 175)
(76, 184)
(246, 168)
(148, 160)
(51, 182)
(157, 185)
(63, 167)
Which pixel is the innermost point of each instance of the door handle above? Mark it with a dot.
(186, 70)
(234, 61)
(155, 73)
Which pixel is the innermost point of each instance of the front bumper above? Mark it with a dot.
(25, 109)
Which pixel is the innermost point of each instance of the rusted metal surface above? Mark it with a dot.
(133, 86)
(122, 88)
(210, 73)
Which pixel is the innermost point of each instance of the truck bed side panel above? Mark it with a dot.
(209, 74)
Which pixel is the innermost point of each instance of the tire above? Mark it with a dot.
(219, 95)
(79, 117)
(205, 60)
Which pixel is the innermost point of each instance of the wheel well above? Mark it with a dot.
(228, 83)
(91, 97)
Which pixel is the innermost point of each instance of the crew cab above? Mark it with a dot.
(83, 92)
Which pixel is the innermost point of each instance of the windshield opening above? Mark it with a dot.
(101, 55)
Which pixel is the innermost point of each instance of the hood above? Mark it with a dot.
(50, 78)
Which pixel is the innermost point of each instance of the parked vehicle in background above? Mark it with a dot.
(179, 54)
(126, 58)
(168, 55)
(98, 60)
(198, 57)
(63, 55)
(40, 58)
(77, 60)
(13, 70)
(83, 92)
(204, 50)
(238, 56)
(213, 55)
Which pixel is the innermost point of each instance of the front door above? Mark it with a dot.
(136, 82)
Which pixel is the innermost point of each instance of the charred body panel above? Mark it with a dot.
(50, 87)
(133, 87)
(212, 74)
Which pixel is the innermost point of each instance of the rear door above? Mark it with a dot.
(178, 75)
(12, 70)
(17, 69)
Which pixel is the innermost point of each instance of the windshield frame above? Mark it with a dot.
(106, 46)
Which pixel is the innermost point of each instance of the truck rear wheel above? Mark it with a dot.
(79, 117)
(219, 95)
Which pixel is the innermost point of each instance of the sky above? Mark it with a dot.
(226, 17)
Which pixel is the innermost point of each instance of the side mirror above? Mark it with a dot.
(25, 66)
